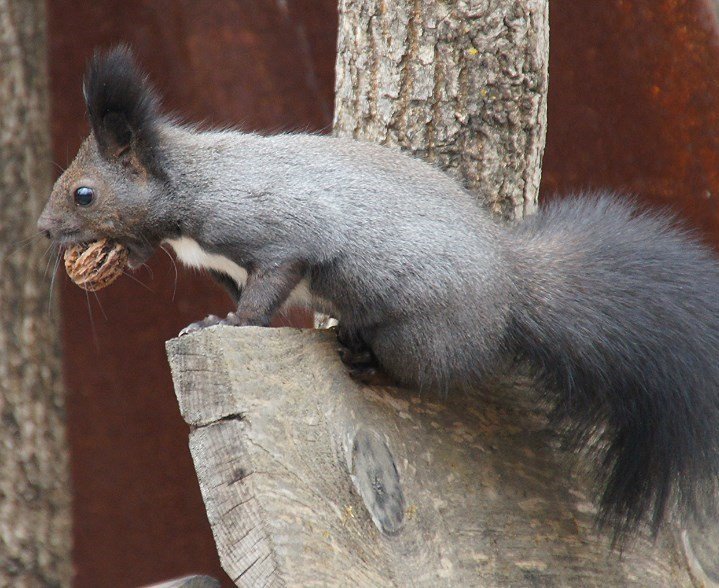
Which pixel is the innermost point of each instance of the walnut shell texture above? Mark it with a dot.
(95, 265)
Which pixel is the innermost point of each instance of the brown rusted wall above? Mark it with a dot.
(634, 102)
(633, 105)
(268, 65)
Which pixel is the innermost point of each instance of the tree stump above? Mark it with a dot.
(312, 479)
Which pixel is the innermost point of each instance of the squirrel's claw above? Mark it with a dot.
(209, 321)
(231, 320)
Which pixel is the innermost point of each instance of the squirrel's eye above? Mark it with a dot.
(84, 195)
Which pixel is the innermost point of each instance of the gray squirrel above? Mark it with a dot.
(615, 309)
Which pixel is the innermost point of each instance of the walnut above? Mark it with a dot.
(95, 265)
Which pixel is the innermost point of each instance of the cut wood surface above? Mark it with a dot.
(312, 479)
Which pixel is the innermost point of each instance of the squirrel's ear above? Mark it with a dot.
(123, 109)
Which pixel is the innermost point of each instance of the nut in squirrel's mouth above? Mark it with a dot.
(138, 252)
(96, 264)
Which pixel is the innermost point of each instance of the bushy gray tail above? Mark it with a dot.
(618, 313)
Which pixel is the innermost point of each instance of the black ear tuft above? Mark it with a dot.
(123, 108)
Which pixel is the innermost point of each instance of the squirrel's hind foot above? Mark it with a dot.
(358, 357)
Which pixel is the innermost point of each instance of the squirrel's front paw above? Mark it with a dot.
(231, 320)
(209, 321)
(235, 319)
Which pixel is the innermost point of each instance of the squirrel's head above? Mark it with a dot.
(113, 186)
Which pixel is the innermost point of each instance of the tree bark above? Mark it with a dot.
(462, 84)
(34, 496)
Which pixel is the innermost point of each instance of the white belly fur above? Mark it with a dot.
(190, 253)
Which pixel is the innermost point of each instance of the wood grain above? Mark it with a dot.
(301, 470)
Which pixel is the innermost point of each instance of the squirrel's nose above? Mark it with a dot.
(45, 226)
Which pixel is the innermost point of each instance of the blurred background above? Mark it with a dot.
(633, 106)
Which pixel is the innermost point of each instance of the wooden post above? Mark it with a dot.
(311, 479)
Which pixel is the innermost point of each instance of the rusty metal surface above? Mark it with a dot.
(634, 103)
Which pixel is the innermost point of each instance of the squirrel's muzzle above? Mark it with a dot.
(46, 226)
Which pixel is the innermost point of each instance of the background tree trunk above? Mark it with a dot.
(34, 495)
(462, 84)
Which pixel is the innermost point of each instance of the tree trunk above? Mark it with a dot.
(34, 496)
(462, 84)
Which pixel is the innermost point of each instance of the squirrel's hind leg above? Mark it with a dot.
(359, 358)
